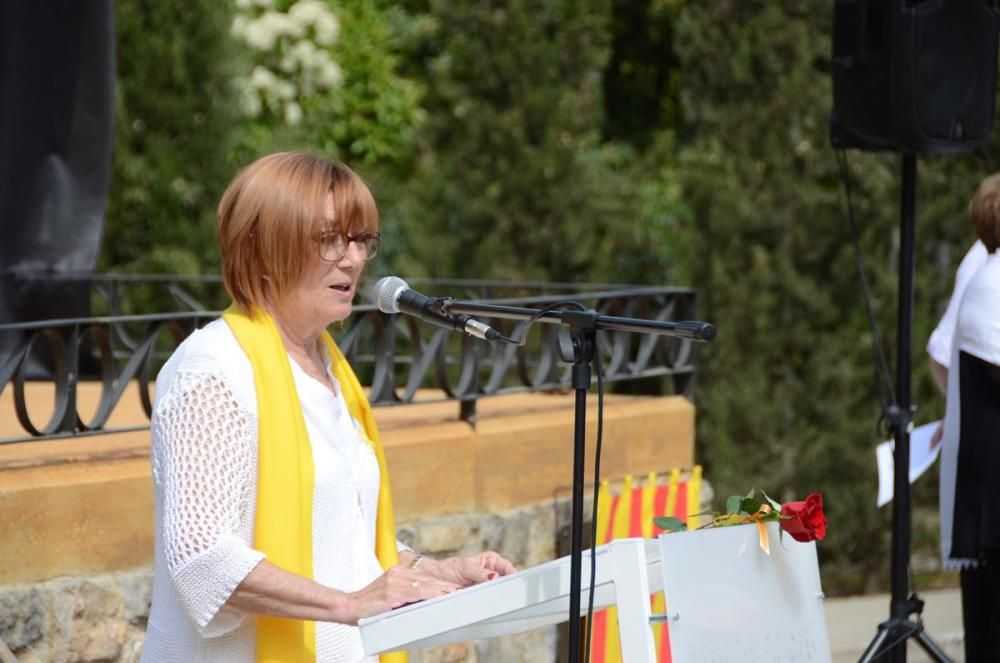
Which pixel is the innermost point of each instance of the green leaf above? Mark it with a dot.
(774, 505)
(749, 506)
(733, 504)
(670, 524)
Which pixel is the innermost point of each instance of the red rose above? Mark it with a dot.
(807, 522)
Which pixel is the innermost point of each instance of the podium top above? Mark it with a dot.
(528, 599)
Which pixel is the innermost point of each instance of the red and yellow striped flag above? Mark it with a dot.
(630, 514)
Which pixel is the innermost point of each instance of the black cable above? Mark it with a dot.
(887, 393)
(597, 482)
(542, 311)
(598, 366)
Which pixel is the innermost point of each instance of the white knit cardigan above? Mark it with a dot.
(204, 455)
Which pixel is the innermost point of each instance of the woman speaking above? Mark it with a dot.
(274, 526)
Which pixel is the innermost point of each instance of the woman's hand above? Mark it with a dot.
(397, 586)
(472, 570)
(936, 437)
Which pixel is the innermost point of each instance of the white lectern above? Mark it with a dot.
(726, 600)
(628, 571)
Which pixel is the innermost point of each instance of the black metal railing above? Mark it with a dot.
(400, 359)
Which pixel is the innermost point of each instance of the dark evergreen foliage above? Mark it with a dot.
(788, 398)
(644, 141)
(175, 119)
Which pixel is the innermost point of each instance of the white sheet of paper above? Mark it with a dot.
(921, 457)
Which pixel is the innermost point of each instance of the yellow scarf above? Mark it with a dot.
(283, 525)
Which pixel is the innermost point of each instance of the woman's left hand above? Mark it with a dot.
(472, 570)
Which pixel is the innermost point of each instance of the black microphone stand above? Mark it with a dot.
(578, 346)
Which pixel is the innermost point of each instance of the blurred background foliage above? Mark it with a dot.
(640, 141)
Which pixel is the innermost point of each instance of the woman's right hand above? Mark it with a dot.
(397, 586)
(936, 437)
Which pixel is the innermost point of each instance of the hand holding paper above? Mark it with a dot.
(924, 450)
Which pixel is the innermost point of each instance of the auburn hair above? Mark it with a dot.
(984, 210)
(271, 217)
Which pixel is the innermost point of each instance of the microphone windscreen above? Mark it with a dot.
(387, 291)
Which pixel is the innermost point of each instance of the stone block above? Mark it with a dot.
(23, 616)
(88, 615)
(99, 618)
(538, 646)
(136, 588)
(459, 652)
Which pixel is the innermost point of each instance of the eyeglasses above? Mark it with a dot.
(333, 244)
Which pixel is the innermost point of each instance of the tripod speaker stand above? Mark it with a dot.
(913, 77)
(893, 633)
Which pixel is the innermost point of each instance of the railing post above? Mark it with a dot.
(467, 411)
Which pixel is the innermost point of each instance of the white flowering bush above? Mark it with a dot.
(293, 55)
(321, 74)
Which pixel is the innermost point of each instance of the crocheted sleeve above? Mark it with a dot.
(205, 461)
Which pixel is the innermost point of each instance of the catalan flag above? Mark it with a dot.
(630, 513)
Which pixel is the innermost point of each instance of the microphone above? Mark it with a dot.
(394, 295)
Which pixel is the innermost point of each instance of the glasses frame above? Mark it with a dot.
(362, 239)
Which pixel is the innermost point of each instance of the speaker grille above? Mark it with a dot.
(916, 76)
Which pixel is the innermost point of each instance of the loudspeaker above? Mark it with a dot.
(913, 75)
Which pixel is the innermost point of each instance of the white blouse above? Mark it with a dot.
(977, 332)
(204, 455)
(940, 342)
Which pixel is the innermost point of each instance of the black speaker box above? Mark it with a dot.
(913, 75)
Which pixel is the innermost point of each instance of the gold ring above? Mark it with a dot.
(414, 584)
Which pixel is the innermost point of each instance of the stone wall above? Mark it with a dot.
(76, 532)
(100, 618)
(103, 617)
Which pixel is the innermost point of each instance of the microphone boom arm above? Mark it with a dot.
(690, 329)
(578, 346)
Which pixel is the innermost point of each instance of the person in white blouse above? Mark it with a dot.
(970, 443)
(939, 343)
(295, 232)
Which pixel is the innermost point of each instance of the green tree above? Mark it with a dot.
(175, 123)
(322, 76)
(786, 390)
(787, 393)
(205, 87)
(512, 179)
(642, 78)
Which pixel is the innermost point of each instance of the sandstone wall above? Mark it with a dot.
(76, 514)
(103, 617)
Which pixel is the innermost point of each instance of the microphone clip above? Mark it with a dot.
(442, 306)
